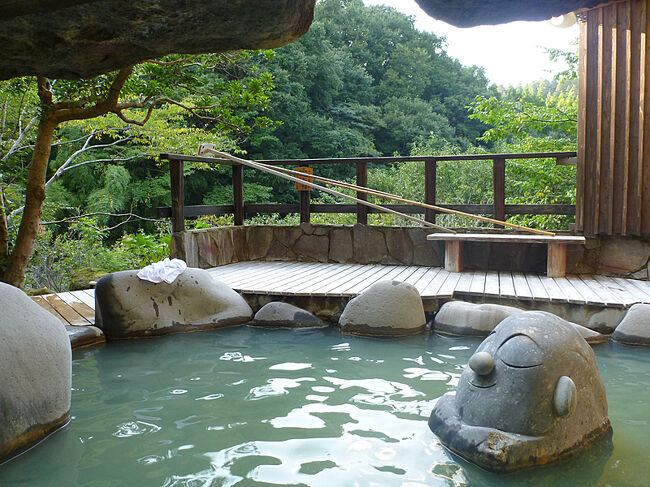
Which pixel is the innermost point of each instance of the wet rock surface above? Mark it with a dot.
(35, 372)
(387, 308)
(82, 38)
(635, 327)
(279, 314)
(532, 394)
(126, 306)
(84, 336)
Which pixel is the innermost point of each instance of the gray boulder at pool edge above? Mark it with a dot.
(387, 308)
(35, 372)
(461, 318)
(126, 306)
(532, 394)
(285, 315)
(634, 329)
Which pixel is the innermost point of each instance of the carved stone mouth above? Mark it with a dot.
(483, 385)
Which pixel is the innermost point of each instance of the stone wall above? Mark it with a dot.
(212, 247)
(307, 243)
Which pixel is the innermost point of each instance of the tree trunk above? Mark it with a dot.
(4, 231)
(34, 197)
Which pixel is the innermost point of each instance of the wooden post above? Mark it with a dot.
(305, 197)
(362, 180)
(238, 193)
(178, 195)
(556, 260)
(499, 184)
(430, 189)
(453, 256)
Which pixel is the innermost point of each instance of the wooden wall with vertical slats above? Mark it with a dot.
(613, 194)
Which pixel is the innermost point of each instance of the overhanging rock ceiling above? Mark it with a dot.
(82, 38)
(469, 13)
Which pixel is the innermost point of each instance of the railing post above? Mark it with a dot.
(430, 189)
(499, 184)
(178, 195)
(305, 202)
(238, 193)
(362, 180)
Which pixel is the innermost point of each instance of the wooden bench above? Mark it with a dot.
(556, 262)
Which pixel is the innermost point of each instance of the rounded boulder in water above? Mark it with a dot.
(126, 306)
(635, 327)
(35, 372)
(387, 308)
(279, 314)
(532, 394)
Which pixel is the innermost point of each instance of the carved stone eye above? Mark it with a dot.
(481, 363)
(520, 351)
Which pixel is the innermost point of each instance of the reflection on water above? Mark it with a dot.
(251, 407)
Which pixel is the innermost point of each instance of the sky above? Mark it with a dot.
(512, 54)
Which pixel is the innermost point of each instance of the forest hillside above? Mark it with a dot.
(362, 82)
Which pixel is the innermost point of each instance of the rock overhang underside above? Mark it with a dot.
(470, 13)
(75, 39)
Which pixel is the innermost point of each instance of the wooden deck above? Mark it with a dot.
(344, 281)
(348, 280)
(76, 308)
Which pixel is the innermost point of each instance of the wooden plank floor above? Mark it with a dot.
(77, 308)
(348, 280)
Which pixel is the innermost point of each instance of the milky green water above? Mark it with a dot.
(253, 407)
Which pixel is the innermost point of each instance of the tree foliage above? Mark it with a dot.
(157, 106)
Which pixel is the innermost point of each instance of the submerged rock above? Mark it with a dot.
(461, 318)
(532, 394)
(126, 306)
(35, 372)
(387, 308)
(285, 315)
(634, 329)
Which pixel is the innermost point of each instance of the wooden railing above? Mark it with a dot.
(178, 211)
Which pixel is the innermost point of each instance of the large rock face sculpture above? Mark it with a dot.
(532, 394)
(35, 372)
(82, 38)
(468, 13)
(387, 308)
(126, 306)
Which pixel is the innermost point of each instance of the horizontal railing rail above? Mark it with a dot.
(499, 209)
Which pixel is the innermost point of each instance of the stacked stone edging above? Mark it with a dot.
(358, 244)
(374, 244)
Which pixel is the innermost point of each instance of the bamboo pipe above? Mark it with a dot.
(382, 194)
(204, 148)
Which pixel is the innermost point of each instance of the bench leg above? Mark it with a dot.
(556, 260)
(453, 256)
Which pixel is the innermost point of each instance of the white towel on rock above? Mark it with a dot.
(166, 270)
